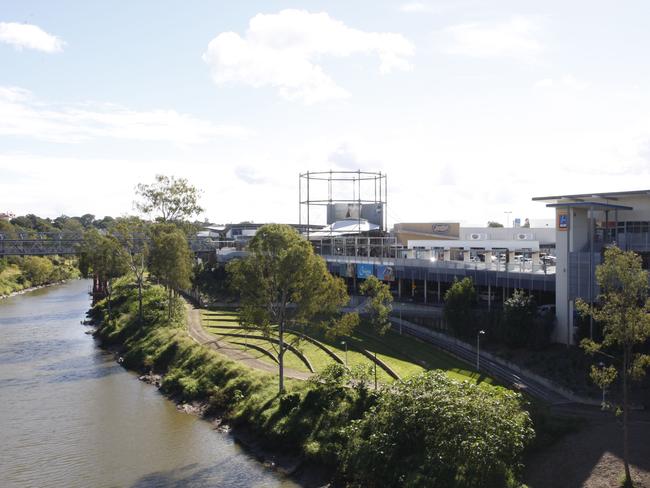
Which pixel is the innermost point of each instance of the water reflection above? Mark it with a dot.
(71, 417)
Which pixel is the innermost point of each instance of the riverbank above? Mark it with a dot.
(321, 430)
(23, 274)
(32, 288)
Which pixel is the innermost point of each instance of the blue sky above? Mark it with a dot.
(470, 107)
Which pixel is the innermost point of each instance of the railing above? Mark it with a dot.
(42, 244)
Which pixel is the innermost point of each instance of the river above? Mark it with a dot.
(71, 417)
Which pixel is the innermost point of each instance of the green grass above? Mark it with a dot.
(405, 355)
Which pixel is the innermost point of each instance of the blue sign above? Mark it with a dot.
(385, 273)
(364, 270)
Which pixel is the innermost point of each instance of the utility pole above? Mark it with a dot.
(478, 347)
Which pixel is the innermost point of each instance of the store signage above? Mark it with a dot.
(562, 220)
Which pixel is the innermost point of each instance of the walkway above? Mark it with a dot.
(198, 333)
(509, 373)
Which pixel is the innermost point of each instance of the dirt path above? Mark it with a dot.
(198, 333)
(592, 458)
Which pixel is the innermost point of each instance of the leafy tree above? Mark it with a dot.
(37, 270)
(174, 199)
(379, 303)
(433, 431)
(132, 234)
(283, 283)
(458, 311)
(623, 310)
(518, 319)
(171, 260)
(87, 220)
(104, 257)
(494, 224)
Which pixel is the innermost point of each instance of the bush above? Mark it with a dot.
(434, 431)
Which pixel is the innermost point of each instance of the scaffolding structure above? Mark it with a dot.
(352, 188)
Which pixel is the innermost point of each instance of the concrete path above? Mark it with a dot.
(200, 335)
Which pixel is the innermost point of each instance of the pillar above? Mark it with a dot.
(466, 256)
(489, 296)
(535, 258)
(446, 255)
(511, 257)
(399, 288)
(488, 259)
(439, 300)
(425, 290)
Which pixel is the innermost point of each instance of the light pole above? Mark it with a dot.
(343, 343)
(478, 348)
(508, 212)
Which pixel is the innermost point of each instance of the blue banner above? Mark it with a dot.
(385, 273)
(364, 270)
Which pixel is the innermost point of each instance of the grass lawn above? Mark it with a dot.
(405, 355)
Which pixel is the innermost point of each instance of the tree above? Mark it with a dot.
(283, 283)
(171, 259)
(430, 430)
(105, 257)
(623, 310)
(518, 319)
(174, 199)
(379, 303)
(132, 234)
(36, 269)
(494, 224)
(460, 299)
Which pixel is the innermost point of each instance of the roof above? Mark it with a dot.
(594, 205)
(615, 195)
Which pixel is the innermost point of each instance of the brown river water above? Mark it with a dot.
(71, 417)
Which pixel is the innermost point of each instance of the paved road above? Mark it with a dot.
(199, 334)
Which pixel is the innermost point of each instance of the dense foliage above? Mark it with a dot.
(460, 299)
(518, 317)
(434, 431)
(18, 273)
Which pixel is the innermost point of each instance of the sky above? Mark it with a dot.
(470, 107)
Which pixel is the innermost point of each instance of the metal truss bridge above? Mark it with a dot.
(44, 244)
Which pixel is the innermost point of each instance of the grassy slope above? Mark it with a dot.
(405, 355)
(11, 279)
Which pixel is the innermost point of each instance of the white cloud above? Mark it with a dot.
(512, 39)
(29, 36)
(250, 175)
(414, 7)
(566, 81)
(282, 51)
(22, 115)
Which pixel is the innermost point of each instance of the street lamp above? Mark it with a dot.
(375, 370)
(343, 343)
(478, 348)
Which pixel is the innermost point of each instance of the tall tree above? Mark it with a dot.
(518, 319)
(173, 199)
(623, 310)
(379, 303)
(171, 260)
(283, 283)
(460, 299)
(105, 257)
(132, 233)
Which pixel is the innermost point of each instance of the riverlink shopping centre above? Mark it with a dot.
(555, 262)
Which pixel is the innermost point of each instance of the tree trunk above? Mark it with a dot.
(169, 313)
(281, 354)
(140, 300)
(108, 299)
(628, 477)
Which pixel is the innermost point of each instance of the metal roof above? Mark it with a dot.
(604, 196)
(597, 205)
